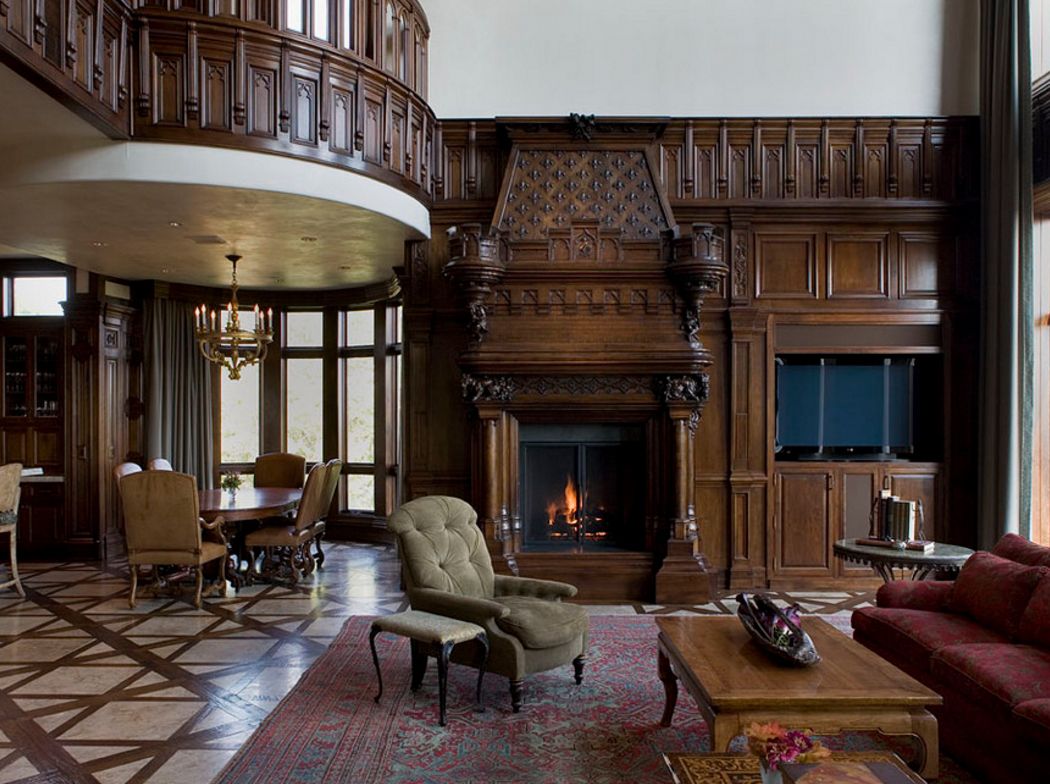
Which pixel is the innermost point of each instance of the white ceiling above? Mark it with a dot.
(172, 212)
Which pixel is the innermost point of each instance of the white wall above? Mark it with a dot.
(703, 57)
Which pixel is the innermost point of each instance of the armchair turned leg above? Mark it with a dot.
(319, 557)
(14, 562)
(419, 664)
(577, 667)
(200, 587)
(517, 689)
(134, 585)
(483, 643)
(443, 655)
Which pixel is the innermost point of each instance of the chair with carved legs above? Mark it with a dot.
(447, 571)
(285, 543)
(163, 527)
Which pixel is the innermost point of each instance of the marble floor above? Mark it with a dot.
(91, 691)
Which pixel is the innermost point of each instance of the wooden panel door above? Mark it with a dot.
(805, 522)
(859, 485)
(919, 482)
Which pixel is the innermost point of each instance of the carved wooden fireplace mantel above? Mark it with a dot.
(582, 305)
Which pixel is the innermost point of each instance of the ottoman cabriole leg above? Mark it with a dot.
(375, 660)
(419, 664)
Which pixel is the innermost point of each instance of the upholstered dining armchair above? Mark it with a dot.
(279, 469)
(163, 526)
(286, 543)
(10, 497)
(447, 571)
(160, 464)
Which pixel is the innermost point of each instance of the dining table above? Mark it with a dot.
(248, 503)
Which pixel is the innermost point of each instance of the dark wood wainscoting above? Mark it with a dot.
(852, 237)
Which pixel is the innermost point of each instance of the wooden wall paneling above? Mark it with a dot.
(875, 156)
(263, 90)
(342, 112)
(739, 159)
(216, 94)
(840, 162)
(786, 265)
(860, 486)
(168, 76)
(373, 124)
(927, 263)
(858, 265)
(83, 437)
(305, 105)
(773, 162)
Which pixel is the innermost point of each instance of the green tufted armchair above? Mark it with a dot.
(448, 571)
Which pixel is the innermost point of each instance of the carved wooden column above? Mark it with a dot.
(684, 577)
(696, 265)
(489, 394)
(475, 267)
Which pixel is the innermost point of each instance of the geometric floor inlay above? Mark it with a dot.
(94, 692)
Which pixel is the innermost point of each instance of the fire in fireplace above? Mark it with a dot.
(582, 486)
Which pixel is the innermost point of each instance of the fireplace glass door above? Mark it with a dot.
(582, 487)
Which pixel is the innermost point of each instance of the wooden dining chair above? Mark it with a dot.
(10, 497)
(285, 544)
(160, 464)
(164, 528)
(280, 469)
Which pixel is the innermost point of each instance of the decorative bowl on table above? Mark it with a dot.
(776, 631)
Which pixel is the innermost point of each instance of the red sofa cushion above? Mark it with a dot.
(1035, 620)
(994, 591)
(996, 676)
(1017, 548)
(915, 634)
(1033, 719)
(915, 595)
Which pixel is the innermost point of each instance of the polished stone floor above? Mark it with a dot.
(91, 691)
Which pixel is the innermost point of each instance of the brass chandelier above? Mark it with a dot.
(231, 346)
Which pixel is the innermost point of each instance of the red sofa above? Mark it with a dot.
(982, 643)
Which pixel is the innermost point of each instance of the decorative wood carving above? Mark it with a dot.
(478, 389)
(696, 265)
(475, 267)
(583, 385)
(683, 389)
(553, 189)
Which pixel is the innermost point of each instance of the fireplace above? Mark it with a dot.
(582, 487)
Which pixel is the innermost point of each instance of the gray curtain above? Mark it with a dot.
(1005, 441)
(178, 391)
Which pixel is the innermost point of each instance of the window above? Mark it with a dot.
(329, 388)
(321, 19)
(35, 295)
(312, 17)
(294, 15)
(348, 24)
(388, 37)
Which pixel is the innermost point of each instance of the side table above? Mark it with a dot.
(440, 635)
(945, 558)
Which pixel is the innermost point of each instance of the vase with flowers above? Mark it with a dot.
(230, 483)
(774, 745)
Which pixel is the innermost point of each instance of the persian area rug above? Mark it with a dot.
(328, 729)
(606, 731)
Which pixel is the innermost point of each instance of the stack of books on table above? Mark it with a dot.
(895, 521)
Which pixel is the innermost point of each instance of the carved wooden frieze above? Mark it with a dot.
(477, 389)
(550, 190)
(475, 267)
(683, 389)
(584, 385)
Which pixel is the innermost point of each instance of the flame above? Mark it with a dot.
(552, 513)
(571, 502)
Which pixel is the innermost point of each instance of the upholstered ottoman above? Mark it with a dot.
(436, 633)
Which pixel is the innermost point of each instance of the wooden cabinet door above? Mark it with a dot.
(918, 482)
(859, 486)
(805, 522)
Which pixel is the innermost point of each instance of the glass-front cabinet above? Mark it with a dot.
(31, 419)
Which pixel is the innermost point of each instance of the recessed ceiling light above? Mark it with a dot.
(278, 280)
(174, 224)
(346, 267)
(99, 244)
(165, 270)
(308, 239)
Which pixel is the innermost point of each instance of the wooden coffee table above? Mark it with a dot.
(734, 683)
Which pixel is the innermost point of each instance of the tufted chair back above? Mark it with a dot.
(442, 547)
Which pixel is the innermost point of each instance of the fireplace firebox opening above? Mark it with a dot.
(582, 487)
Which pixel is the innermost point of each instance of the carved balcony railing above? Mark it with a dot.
(347, 91)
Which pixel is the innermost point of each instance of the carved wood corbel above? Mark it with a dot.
(696, 265)
(475, 267)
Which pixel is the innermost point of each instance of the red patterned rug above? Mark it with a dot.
(328, 729)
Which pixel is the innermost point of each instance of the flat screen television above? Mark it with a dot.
(842, 407)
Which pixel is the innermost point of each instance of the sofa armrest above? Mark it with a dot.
(915, 595)
(506, 585)
(453, 605)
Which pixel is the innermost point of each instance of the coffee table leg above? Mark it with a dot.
(670, 682)
(723, 728)
(924, 724)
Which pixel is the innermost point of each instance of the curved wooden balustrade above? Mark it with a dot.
(234, 80)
